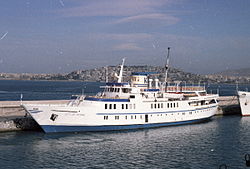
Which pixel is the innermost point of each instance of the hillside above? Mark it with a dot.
(99, 74)
(236, 72)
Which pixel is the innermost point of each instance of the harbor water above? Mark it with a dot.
(223, 140)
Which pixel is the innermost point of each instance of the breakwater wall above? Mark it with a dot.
(13, 117)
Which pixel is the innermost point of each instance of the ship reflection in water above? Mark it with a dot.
(207, 145)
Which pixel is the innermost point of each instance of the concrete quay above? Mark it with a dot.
(13, 117)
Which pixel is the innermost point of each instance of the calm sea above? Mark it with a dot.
(223, 140)
(53, 90)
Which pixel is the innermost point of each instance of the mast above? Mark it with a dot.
(106, 74)
(166, 68)
(121, 71)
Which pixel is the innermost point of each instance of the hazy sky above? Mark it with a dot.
(57, 36)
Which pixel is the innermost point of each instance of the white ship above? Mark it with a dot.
(244, 99)
(142, 103)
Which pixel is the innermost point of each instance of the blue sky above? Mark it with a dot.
(58, 36)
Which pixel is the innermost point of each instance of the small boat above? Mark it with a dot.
(140, 103)
(244, 100)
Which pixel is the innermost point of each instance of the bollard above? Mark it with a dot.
(223, 166)
(247, 159)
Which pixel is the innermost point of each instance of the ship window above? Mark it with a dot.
(161, 105)
(126, 106)
(174, 104)
(177, 104)
(135, 116)
(183, 113)
(131, 117)
(106, 117)
(168, 105)
(125, 90)
(132, 96)
(134, 106)
(152, 106)
(114, 106)
(118, 90)
(122, 106)
(126, 117)
(190, 112)
(171, 105)
(158, 105)
(141, 116)
(106, 106)
(130, 106)
(116, 117)
(112, 89)
(155, 106)
(110, 106)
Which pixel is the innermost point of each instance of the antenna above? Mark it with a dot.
(121, 71)
(167, 67)
(21, 99)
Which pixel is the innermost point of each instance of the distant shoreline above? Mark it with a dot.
(73, 80)
(52, 80)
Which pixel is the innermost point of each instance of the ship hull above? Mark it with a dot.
(59, 128)
(81, 119)
(244, 100)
